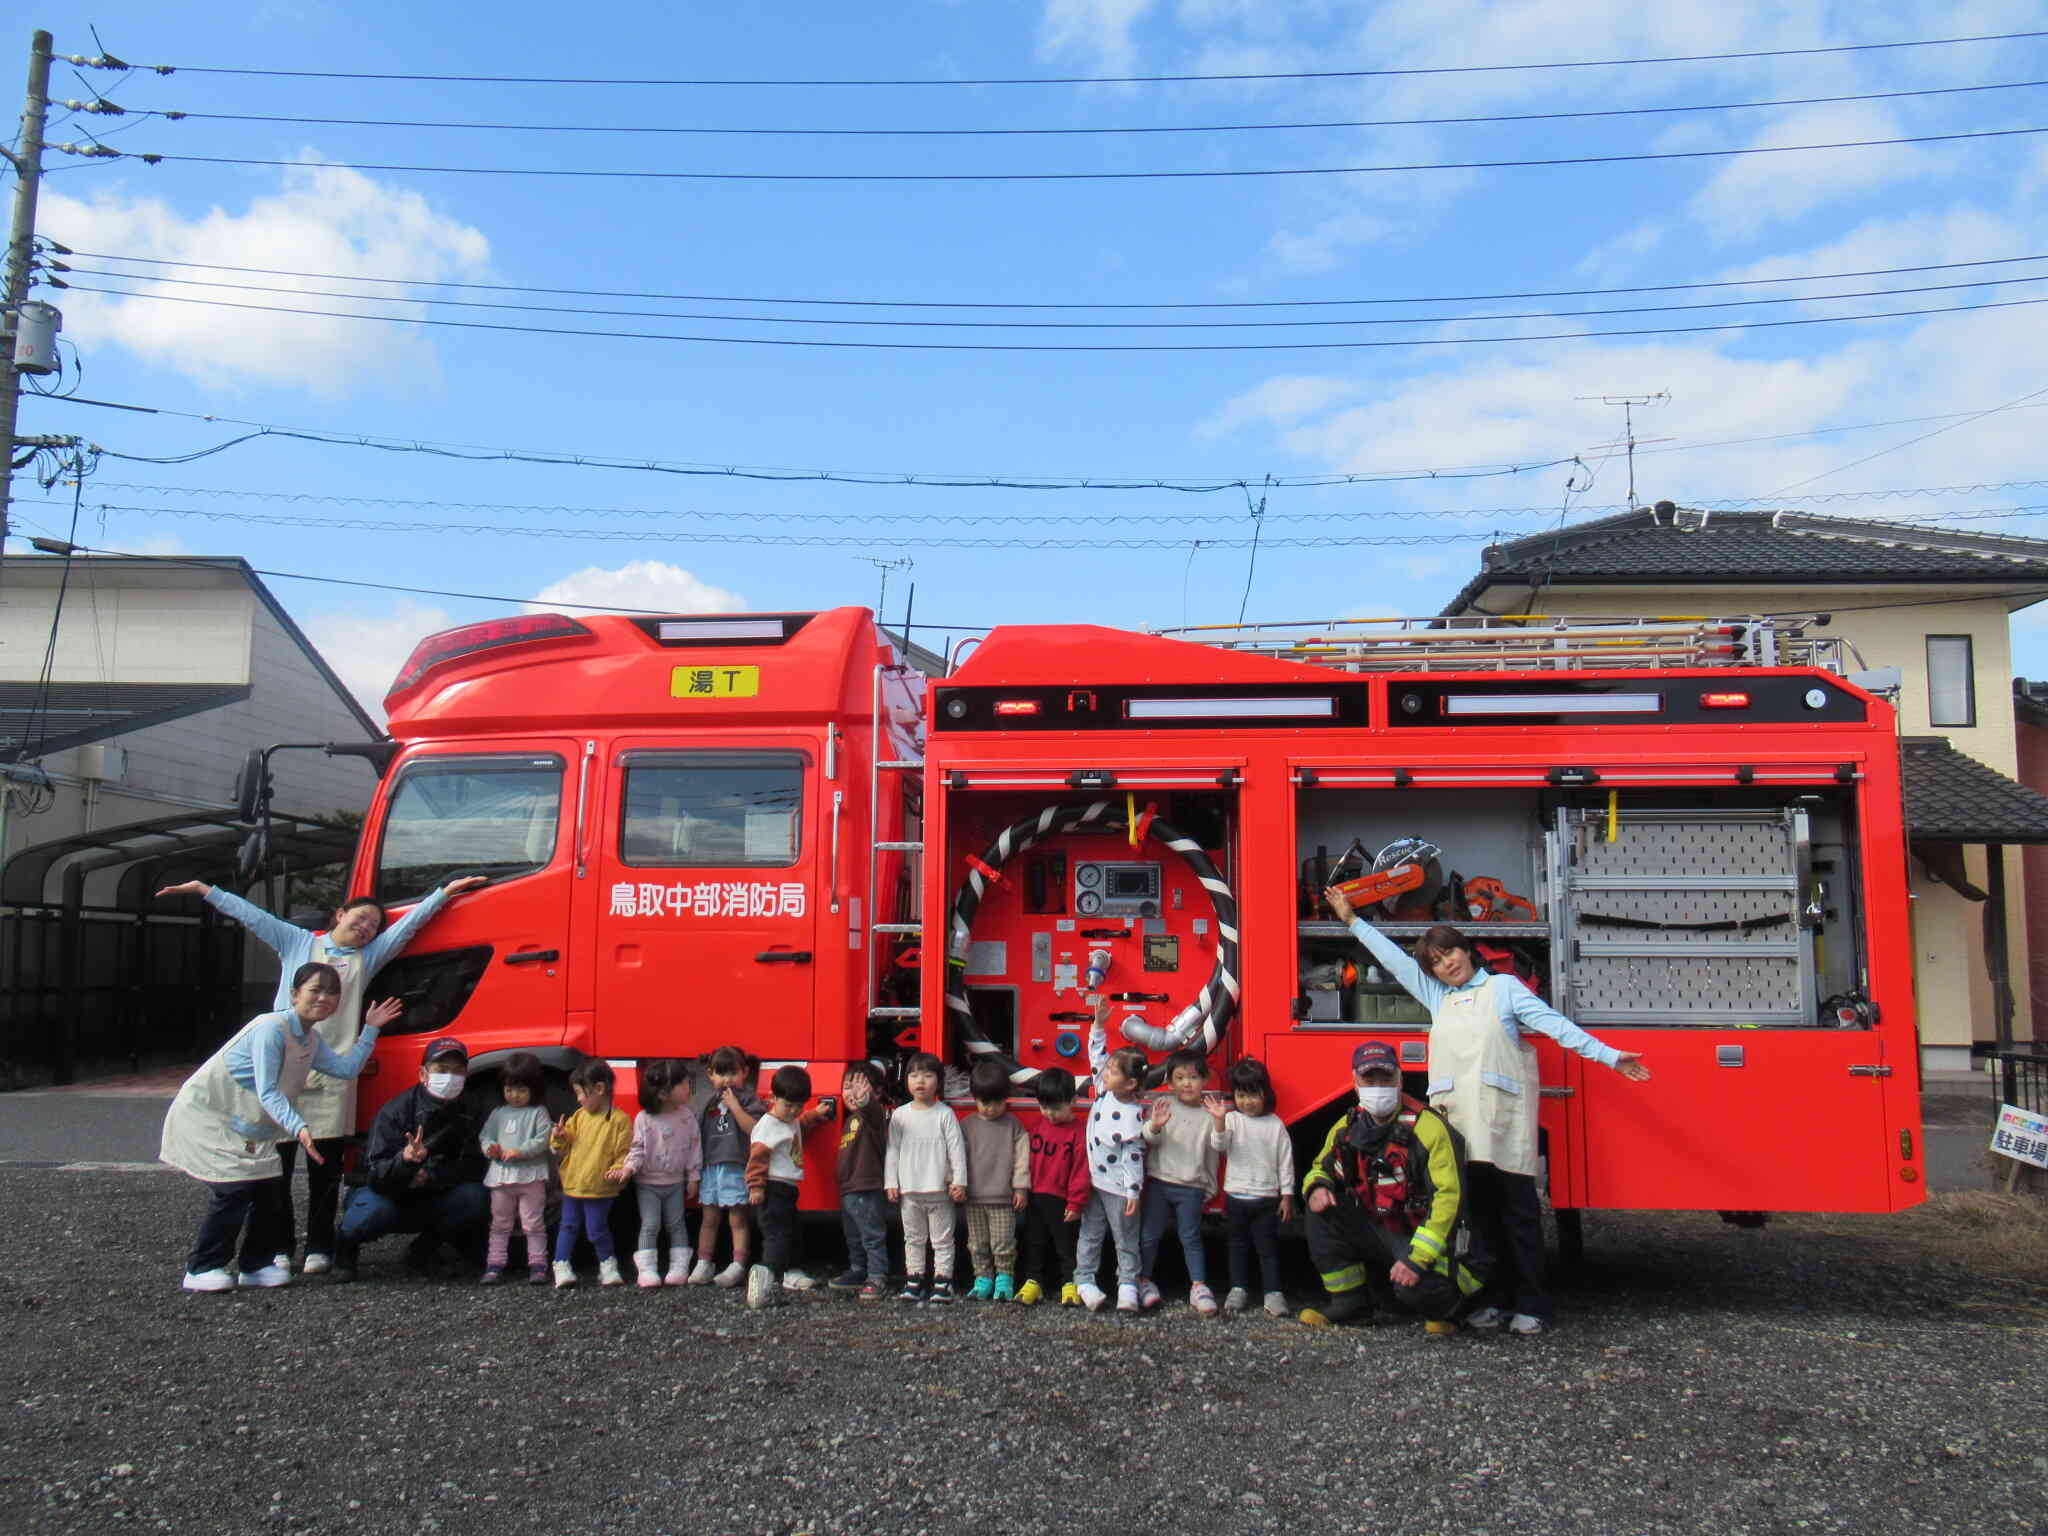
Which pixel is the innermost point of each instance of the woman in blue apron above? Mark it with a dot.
(1482, 1078)
(224, 1126)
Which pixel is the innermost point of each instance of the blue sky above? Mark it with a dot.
(1781, 413)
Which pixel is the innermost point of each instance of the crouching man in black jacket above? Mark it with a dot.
(422, 1171)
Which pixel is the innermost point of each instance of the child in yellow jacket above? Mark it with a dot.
(592, 1146)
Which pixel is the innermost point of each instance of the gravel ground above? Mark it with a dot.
(1827, 1374)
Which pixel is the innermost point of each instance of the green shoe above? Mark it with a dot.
(1005, 1291)
(982, 1289)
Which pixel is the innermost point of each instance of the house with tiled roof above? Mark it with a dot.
(1934, 603)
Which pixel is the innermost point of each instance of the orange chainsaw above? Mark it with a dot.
(1489, 901)
(1382, 884)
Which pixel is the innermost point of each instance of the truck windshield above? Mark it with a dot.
(491, 816)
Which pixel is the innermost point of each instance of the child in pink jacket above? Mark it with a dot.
(666, 1158)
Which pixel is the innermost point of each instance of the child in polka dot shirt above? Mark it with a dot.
(1116, 1168)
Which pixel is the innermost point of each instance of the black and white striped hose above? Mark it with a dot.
(1205, 1017)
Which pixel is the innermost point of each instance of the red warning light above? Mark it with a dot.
(1724, 701)
(1016, 706)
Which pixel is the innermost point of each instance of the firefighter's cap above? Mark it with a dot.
(1375, 1056)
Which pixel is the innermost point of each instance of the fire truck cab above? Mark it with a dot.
(686, 828)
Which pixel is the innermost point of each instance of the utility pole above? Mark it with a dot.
(27, 158)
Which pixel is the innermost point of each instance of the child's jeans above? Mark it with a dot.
(661, 1203)
(779, 1234)
(927, 1225)
(585, 1218)
(992, 1239)
(1049, 1240)
(524, 1205)
(1254, 1225)
(1104, 1215)
(864, 1218)
(1180, 1204)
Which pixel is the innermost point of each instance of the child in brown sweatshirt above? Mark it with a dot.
(998, 1183)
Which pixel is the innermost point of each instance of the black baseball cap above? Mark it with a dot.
(1374, 1056)
(447, 1045)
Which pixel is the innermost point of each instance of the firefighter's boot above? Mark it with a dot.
(1342, 1309)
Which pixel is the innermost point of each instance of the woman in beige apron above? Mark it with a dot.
(225, 1123)
(1482, 1078)
(357, 944)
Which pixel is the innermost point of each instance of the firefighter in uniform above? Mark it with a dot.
(1385, 1196)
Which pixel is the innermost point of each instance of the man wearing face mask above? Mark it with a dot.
(423, 1169)
(1385, 1196)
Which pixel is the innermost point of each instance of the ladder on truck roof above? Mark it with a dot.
(891, 754)
(1532, 642)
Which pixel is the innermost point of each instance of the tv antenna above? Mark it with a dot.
(885, 567)
(1629, 405)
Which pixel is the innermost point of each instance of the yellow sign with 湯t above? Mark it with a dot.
(714, 682)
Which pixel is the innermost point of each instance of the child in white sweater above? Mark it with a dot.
(1181, 1163)
(1258, 1183)
(924, 1174)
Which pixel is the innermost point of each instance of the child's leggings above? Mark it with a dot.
(927, 1226)
(661, 1203)
(522, 1205)
(1254, 1226)
(585, 1218)
(1104, 1216)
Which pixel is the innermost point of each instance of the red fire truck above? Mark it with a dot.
(714, 830)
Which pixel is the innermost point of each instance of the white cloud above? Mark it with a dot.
(1285, 399)
(367, 649)
(650, 585)
(326, 220)
(1099, 30)
(1752, 191)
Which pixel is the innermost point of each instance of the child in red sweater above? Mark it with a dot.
(1059, 1190)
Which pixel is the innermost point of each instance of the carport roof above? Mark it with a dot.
(76, 714)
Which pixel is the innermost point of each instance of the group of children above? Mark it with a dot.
(1038, 1204)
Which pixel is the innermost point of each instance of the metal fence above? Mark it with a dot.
(2020, 1078)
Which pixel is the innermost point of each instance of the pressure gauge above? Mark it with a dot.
(1088, 904)
(1088, 874)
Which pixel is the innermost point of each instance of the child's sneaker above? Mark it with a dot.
(1070, 1295)
(731, 1275)
(1276, 1304)
(1005, 1291)
(565, 1274)
(1202, 1299)
(848, 1280)
(874, 1290)
(678, 1267)
(1487, 1317)
(1521, 1322)
(704, 1273)
(1128, 1298)
(761, 1290)
(983, 1289)
(537, 1274)
(942, 1292)
(913, 1290)
(1237, 1301)
(797, 1280)
(1149, 1295)
(608, 1272)
(491, 1276)
(647, 1269)
(1030, 1293)
(1088, 1295)
(209, 1280)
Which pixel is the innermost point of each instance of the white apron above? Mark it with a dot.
(1483, 1080)
(329, 1103)
(217, 1130)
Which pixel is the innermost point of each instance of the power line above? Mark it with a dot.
(1111, 130)
(581, 172)
(719, 298)
(1008, 346)
(1039, 325)
(1327, 74)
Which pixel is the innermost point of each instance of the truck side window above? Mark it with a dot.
(723, 810)
(446, 817)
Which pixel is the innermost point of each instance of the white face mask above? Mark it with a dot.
(1379, 1101)
(445, 1085)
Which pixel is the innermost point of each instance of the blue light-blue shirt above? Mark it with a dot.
(294, 945)
(255, 1059)
(1520, 1009)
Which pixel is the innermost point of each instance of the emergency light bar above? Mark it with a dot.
(471, 638)
(1230, 709)
(1552, 703)
(719, 629)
